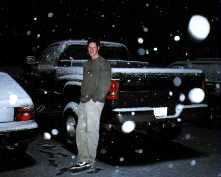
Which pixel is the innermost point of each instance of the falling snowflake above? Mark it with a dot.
(170, 165)
(147, 4)
(50, 14)
(139, 151)
(28, 33)
(193, 162)
(187, 136)
(182, 97)
(176, 38)
(54, 132)
(141, 51)
(117, 170)
(145, 29)
(46, 136)
(170, 93)
(103, 151)
(177, 81)
(140, 40)
(110, 126)
(179, 119)
(121, 159)
(155, 49)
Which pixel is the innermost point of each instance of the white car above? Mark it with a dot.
(17, 124)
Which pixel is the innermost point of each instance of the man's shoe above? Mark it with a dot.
(80, 166)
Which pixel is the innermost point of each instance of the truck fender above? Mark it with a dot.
(72, 91)
(73, 106)
(72, 83)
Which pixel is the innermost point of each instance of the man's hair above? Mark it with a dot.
(95, 40)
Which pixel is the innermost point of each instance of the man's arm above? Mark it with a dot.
(103, 82)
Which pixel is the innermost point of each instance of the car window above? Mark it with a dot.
(112, 52)
(50, 55)
(74, 52)
(180, 66)
(212, 70)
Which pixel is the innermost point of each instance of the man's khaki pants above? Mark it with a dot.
(87, 133)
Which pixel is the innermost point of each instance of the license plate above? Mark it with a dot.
(160, 112)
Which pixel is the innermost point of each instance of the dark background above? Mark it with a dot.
(28, 26)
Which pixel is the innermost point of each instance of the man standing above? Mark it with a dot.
(94, 87)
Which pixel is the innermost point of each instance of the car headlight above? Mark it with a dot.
(196, 95)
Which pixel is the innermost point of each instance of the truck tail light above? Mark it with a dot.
(203, 84)
(113, 93)
(24, 114)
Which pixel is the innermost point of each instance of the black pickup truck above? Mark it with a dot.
(141, 99)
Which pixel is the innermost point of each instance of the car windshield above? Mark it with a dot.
(79, 52)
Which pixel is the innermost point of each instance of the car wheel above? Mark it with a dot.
(68, 131)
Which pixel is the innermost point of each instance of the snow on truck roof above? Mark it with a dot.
(84, 42)
(156, 70)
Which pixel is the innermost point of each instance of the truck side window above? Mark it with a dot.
(50, 55)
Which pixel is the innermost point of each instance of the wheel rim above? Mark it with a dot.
(71, 126)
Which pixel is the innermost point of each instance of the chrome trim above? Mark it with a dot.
(179, 109)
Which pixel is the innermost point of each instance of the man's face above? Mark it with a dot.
(93, 50)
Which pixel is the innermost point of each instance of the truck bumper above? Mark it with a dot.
(146, 118)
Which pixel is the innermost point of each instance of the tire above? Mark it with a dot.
(68, 130)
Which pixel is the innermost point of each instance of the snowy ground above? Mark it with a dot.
(196, 153)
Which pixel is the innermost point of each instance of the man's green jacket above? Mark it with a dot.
(96, 80)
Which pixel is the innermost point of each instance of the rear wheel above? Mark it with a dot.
(68, 131)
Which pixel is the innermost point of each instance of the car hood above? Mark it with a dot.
(11, 93)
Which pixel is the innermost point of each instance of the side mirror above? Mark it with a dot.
(31, 60)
